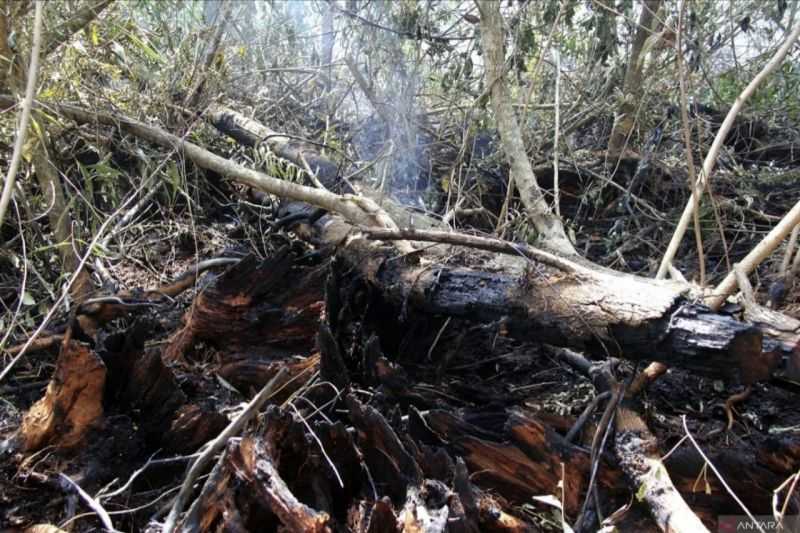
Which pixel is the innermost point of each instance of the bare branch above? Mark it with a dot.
(711, 158)
(547, 224)
(27, 105)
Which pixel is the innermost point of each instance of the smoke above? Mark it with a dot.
(384, 115)
(391, 131)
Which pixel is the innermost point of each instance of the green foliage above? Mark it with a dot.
(779, 91)
(101, 180)
(176, 181)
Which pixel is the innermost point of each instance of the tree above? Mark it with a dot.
(549, 227)
(625, 117)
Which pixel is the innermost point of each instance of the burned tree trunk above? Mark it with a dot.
(249, 309)
(73, 403)
(561, 302)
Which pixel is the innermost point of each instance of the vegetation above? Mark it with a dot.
(143, 138)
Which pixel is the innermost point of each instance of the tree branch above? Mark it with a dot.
(711, 158)
(27, 105)
(547, 224)
(356, 209)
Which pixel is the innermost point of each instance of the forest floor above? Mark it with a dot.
(158, 414)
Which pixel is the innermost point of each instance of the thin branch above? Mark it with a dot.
(557, 119)
(719, 476)
(91, 502)
(711, 157)
(319, 443)
(481, 243)
(27, 105)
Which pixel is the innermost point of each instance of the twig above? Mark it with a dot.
(321, 447)
(587, 412)
(438, 336)
(102, 496)
(311, 174)
(719, 476)
(91, 502)
(474, 241)
(791, 479)
(132, 510)
(598, 445)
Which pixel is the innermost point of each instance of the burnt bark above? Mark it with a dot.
(249, 309)
(570, 305)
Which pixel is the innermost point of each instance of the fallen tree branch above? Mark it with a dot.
(637, 451)
(249, 132)
(354, 208)
(93, 504)
(762, 250)
(39, 344)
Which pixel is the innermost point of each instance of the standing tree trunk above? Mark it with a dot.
(632, 86)
(605, 33)
(549, 226)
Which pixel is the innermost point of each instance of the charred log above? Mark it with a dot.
(249, 308)
(599, 310)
